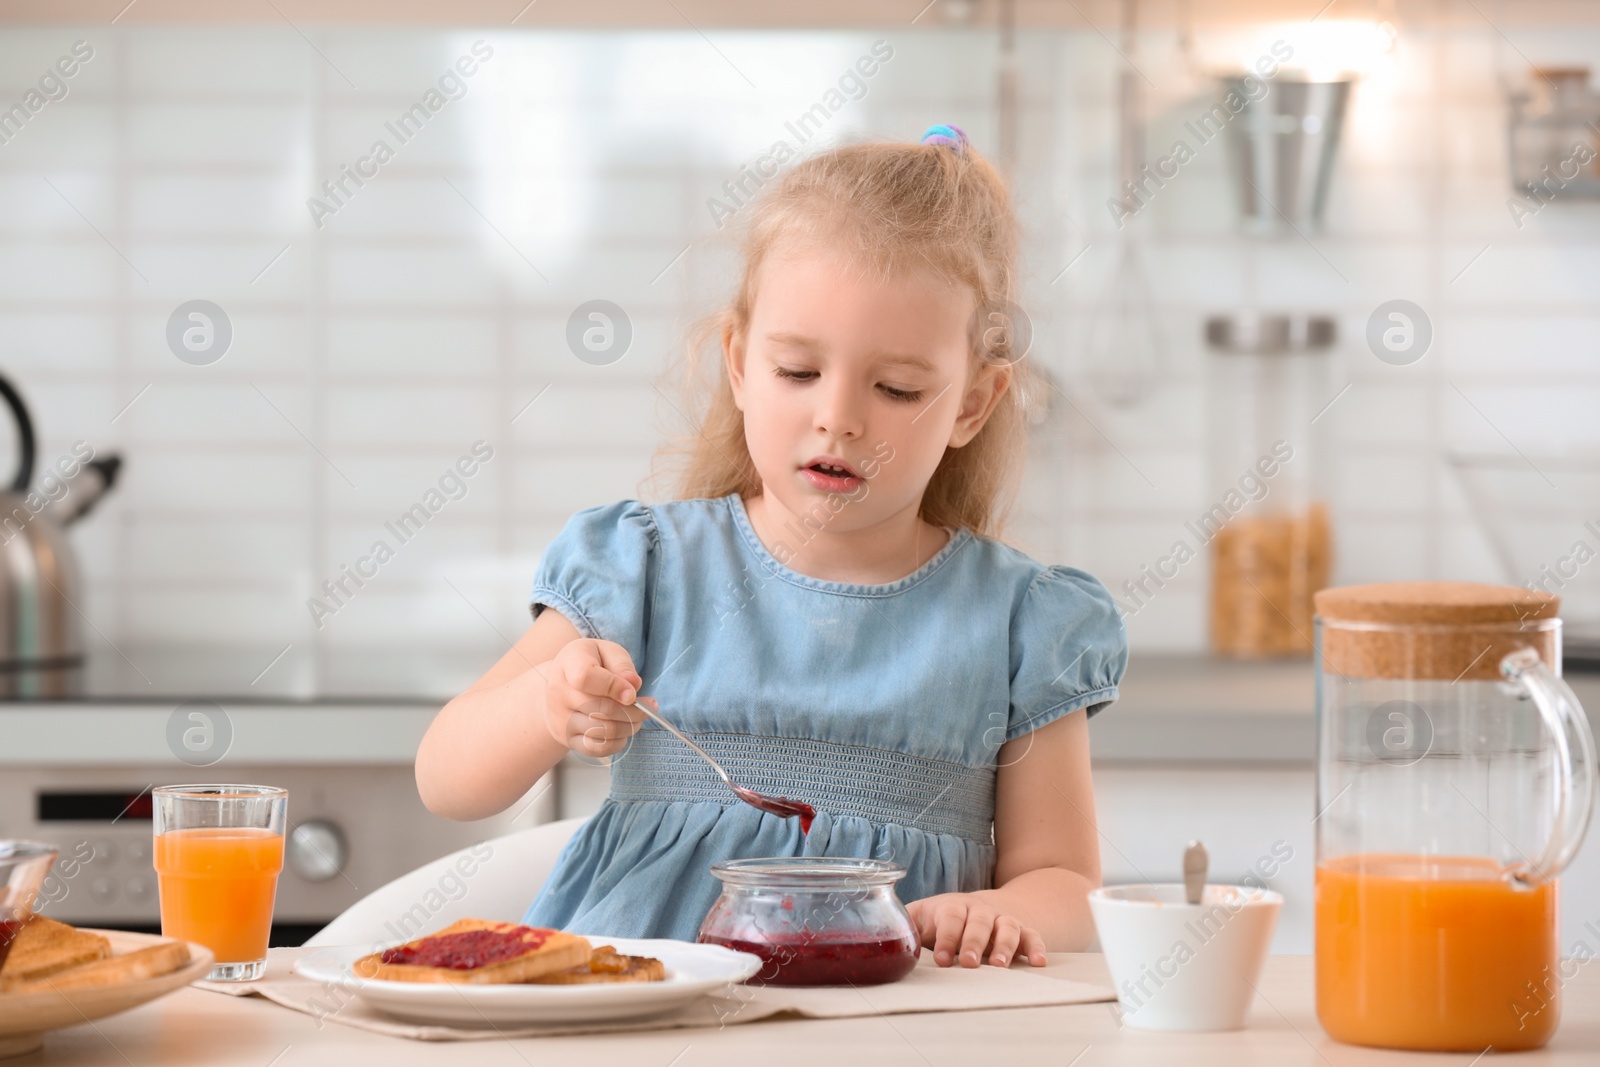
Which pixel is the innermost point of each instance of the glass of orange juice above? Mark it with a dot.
(218, 851)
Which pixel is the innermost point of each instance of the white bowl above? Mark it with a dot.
(1182, 966)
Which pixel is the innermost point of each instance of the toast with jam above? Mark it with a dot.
(478, 952)
(606, 965)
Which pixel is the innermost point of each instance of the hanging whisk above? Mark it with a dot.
(1124, 344)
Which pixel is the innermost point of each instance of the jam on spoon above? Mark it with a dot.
(778, 806)
(775, 805)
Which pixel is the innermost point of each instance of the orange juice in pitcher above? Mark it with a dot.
(1435, 953)
(1455, 780)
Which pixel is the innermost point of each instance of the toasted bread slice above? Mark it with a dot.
(149, 962)
(477, 951)
(606, 964)
(44, 947)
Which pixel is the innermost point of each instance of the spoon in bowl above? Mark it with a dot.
(1195, 862)
(776, 805)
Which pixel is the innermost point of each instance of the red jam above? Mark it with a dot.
(469, 949)
(9, 929)
(786, 807)
(799, 961)
(782, 806)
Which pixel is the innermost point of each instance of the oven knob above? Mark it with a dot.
(317, 850)
(103, 889)
(137, 853)
(137, 889)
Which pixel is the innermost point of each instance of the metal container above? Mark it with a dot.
(1554, 145)
(1284, 142)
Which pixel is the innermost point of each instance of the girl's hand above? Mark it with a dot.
(587, 697)
(964, 922)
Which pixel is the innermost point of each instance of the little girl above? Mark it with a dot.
(826, 609)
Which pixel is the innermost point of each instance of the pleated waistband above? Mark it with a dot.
(875, 784)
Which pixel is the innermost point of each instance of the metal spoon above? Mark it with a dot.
(776, 805)
(1195, 862)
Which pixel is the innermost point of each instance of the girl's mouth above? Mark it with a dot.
(830, 478)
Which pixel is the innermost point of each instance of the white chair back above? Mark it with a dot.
(494, 879)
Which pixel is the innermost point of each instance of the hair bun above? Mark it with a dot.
(946, 135)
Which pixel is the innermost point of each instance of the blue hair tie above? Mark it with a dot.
(946, 135)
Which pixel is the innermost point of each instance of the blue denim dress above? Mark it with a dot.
(882, 706)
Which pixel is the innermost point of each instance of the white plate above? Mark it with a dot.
(692, 970)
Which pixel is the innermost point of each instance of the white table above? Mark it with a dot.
(193, 1027)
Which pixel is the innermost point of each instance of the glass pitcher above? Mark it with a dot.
(1455, 780)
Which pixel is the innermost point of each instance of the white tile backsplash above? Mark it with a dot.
(196, 130)
(195, 550)
(1382, 549)
(38, 269)
(183, 63)
(201, 415)
(404, 414)
(42, 346)
(444, 347)
(432, 306)
(1545, 348)
(217, 480)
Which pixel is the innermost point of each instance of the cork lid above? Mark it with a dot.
(1435, 603)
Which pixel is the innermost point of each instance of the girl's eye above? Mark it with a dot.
(802, 375)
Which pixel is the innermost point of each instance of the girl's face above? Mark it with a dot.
(855, 387)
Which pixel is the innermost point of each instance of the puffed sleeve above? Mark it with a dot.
(600, 573)
(1068, 649)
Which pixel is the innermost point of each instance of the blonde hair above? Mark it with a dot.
(892, 208)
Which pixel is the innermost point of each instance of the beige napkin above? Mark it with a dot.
(927, 988)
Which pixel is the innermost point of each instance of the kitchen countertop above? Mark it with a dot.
(1197, 708)
(200, 1028)
(1172, 708)
(114, 732)
(1188, 708)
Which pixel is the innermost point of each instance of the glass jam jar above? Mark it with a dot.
(814, 920)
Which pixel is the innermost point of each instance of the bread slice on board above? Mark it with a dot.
(44, 947)
(479, 952)
(607, 965)
(150, 962)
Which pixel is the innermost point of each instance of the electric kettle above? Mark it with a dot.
(41, 602)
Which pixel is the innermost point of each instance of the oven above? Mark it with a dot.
(355, 821)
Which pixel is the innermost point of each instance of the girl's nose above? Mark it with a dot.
(840, 410)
